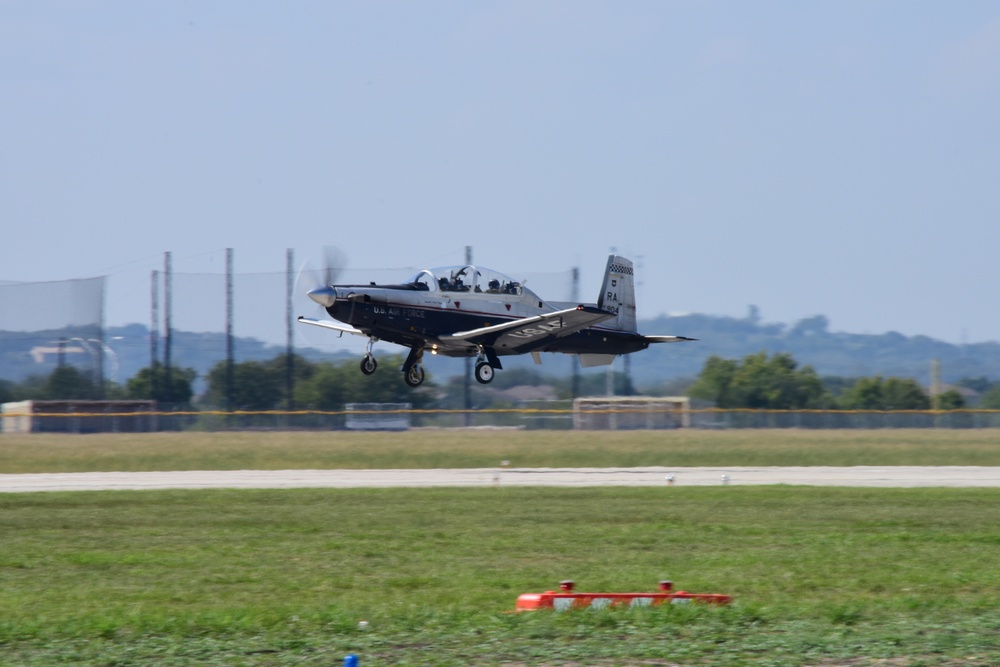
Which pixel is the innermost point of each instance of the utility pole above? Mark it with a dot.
(168, 280)
(609, 378)
(289, 331)
(935, 383)
(468, 360)
(154, 332)
(229, 329)
(575, 390)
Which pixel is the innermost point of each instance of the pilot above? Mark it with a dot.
(494, 286)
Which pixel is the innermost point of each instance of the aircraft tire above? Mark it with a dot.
(484, 373)
(415, 376)
(368, 364)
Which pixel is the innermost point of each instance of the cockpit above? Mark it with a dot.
(466, 278)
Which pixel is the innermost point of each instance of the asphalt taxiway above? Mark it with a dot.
(861, 476)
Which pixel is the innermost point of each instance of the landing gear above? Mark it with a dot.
(486, 364)
(413, 371)
(368, 364)
(484, 373)
(415, 376)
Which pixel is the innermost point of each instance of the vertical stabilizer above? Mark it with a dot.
(618, 293)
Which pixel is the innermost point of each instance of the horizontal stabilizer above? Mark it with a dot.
(667, 339)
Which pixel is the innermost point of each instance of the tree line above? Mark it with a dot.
(777, 382)
(256, 385)
(758, 381)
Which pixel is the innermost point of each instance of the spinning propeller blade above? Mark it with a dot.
(315, 275)
(334, 260)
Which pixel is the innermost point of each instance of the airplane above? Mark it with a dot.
(471, 311)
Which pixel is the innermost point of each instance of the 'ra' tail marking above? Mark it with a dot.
(618, 293)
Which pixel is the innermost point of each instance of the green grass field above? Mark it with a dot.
(822, 576)
(485, 448)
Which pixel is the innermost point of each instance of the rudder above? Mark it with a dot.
(618, 293)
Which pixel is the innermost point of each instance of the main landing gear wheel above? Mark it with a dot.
(368, 364)
(484, 373)
(415, 376)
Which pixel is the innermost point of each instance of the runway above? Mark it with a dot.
(860, 476)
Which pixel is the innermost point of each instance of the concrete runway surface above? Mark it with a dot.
(871, 476)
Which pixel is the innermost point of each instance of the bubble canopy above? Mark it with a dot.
(466, 278)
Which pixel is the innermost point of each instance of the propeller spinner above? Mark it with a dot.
(325, 296)
(333, 264)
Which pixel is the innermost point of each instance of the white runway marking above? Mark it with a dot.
(870, 476)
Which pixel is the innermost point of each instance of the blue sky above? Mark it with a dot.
(840, 158)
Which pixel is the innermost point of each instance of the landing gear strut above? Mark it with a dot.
(413, 371)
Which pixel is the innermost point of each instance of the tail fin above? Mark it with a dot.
(618, 293)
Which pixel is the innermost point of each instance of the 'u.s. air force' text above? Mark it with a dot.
(397, 312)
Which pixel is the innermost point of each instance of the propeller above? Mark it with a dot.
(314, 278)
(334, 261)
(315, 275)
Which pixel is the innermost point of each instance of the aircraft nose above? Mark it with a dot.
(324, 296)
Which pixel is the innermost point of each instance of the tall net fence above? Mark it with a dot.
(260, 307)
(43, 322)
(198, 303)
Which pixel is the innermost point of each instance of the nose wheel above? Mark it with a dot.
(484, 373)
(368, 364)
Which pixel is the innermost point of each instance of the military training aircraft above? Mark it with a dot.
(469, 311)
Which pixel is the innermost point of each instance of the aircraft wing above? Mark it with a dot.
(330, 325)
(529, 333)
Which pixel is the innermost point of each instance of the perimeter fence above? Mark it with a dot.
(529, 418)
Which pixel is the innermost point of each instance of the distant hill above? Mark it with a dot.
(809, 341)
